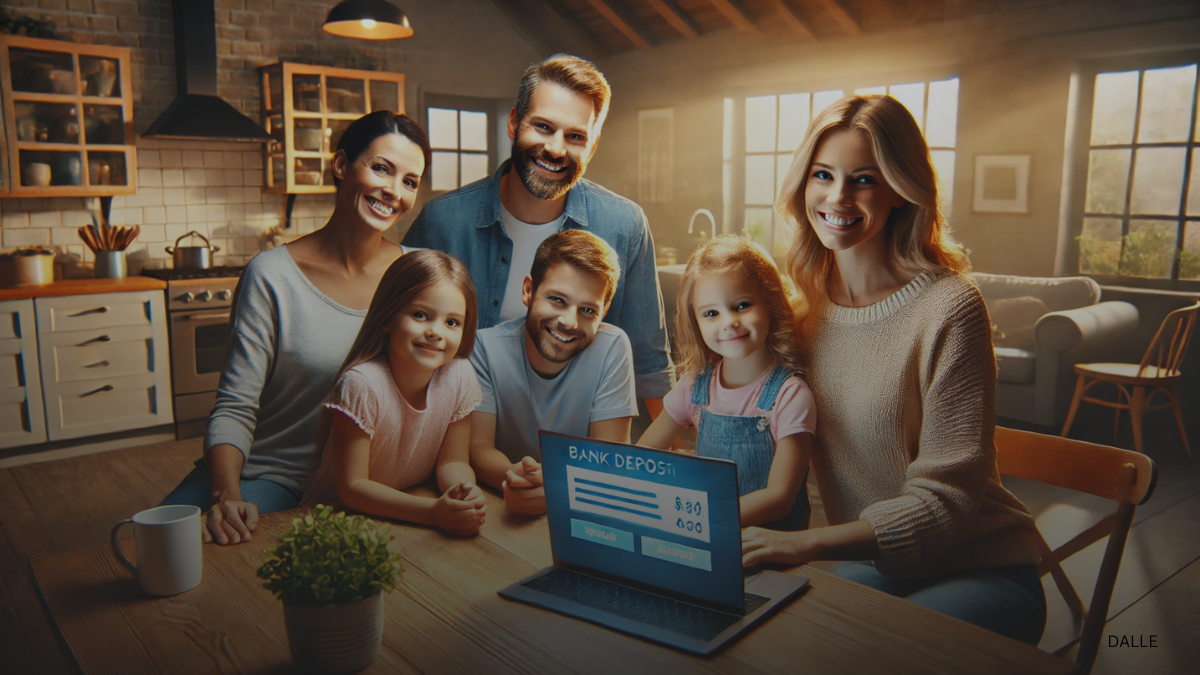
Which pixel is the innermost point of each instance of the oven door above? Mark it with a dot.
(198, 344)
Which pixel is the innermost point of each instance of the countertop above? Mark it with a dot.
(81, 287)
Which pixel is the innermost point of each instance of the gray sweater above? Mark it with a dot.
(286, 344)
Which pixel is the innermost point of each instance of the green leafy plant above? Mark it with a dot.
(27, 25)
(327, 560)
(1097, 255)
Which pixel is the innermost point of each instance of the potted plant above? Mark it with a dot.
(331, 570)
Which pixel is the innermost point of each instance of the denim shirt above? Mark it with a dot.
(466, 223)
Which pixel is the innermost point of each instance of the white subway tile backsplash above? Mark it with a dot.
(214, 159)
(197, 213)
(252, 177)
(174, 196)
(149, 196)
(148, 159)
(215, 195)
(214, 177)
(137, 252)
(26, 237)
(64, 236)
(76, 218)
(173, 178)
(176, 230)
(152, 233)
(193, 159)
(235, 212)
(233, 159)
(177, 214)
(195, 195)
(233, 177)
(235, 195)
(154, 215)
(44, 219)
(149, 177)
(252, 160)
(14, 220)
(195, 178)
(216, 212)
(170, 158)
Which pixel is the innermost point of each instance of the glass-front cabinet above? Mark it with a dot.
(68, 119)
(306, 109)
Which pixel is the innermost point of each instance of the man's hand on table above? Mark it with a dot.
(524, 493)
(230, 522)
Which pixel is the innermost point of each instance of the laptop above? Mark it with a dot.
(647, 542)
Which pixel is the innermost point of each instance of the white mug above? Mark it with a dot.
(168, 544)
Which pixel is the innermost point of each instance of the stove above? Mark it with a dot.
(198, 311)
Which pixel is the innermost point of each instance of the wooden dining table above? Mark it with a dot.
(446, 617)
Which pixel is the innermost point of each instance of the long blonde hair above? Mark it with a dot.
(731, 254)
(404, 279)
(918, 236)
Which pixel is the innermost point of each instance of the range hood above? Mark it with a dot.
(198, 113)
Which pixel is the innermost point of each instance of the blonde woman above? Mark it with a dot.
(900, 360)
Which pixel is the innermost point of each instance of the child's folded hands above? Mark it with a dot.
(461, 509)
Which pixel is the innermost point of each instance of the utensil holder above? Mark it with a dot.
(111, 265)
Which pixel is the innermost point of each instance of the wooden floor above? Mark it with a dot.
(67, 504)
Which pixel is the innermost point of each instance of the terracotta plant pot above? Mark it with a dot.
(335, 639)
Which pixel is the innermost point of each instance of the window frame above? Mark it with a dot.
(487, 106)
(1078, 155)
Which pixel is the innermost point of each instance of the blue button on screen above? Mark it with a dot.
(677, 553)
(600, 534)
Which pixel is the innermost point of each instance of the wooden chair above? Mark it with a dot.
(1160, 370)
(1124, 476)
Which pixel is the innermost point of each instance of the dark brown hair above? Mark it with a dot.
(583, 251)
(731, 254)
(363, 131)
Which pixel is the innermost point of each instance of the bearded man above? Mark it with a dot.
(495, 225)
(558, 368)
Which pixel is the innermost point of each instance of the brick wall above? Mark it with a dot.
(214, 188)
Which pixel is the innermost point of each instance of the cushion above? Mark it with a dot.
(1013, 321)
(1015, 366)
(1058, 293)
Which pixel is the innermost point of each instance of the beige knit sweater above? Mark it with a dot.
(905, 394)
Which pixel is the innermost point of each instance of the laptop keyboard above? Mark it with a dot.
(635, 605)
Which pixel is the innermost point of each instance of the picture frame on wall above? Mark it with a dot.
(1001, 184)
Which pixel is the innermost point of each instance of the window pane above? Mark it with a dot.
(822, 99)
(782, 164)
(941, 127)
(1189, 257)
(1157, 181)
(1100, 246)
(1114, 108)
(1193, 200)
(913, 98)
(760, 124)
(1167, 96)
(866, 91)
(443, 172)
(943, 164)
(474, 130)
(1149, 248)
(474, 167)
(793, 120)
(1108, 176)
(727, 132)
(758, 227)
(443, 128)
(760, 179)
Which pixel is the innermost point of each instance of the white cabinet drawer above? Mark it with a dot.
(22, 420)
(104, 310)
(75, 409)
(98, 354)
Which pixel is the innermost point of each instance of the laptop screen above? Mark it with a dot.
(660, 519)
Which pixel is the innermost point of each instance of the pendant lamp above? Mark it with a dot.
(367, 20)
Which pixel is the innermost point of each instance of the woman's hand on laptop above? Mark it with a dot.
(761, 545)
(524, 493)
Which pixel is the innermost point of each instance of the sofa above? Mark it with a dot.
(1036, 350)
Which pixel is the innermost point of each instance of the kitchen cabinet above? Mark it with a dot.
(68, 119)
(21, 419)
(306, 109)
(104, 362)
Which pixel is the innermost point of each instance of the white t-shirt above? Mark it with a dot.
(526, 238)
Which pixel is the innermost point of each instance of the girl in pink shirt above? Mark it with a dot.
(400, 407)
(741, 387)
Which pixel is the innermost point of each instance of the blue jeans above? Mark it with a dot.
(1005, 600)
(195, 489)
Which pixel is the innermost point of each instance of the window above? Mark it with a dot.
(772, 126)
(461, 135)
(1141, 208)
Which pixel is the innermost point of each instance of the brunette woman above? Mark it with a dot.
(296, 313)
(900, 361)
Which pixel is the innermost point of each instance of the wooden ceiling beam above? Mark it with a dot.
(549, 29)
(839, 14)
(622, 19)
(676, 17)
(735, 14)
(798, 26)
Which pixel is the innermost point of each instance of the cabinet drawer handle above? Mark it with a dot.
(107, 387)
(97, 364)
(94, 310)
(102, 338)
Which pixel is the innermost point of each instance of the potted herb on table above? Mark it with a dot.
(331, 570)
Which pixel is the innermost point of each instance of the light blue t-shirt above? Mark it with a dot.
(596, 385)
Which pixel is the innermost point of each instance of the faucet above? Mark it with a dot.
(711, 219)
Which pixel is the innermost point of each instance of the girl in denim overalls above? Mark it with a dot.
(741, 386)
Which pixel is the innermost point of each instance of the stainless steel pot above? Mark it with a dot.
(192, 257)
